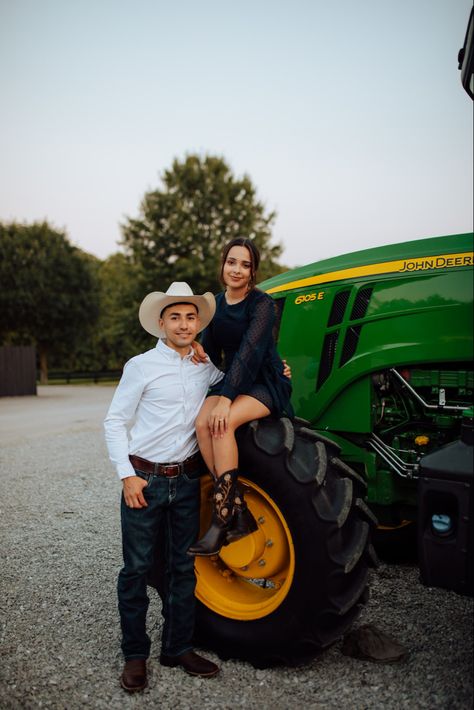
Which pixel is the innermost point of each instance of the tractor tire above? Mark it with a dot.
(288, 591)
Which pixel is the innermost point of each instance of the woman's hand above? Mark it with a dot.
(219, 417)
(199, 353)
(286, 369)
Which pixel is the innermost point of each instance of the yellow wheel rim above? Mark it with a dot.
(251, 577)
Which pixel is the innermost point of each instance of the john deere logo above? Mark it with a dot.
(438, 262)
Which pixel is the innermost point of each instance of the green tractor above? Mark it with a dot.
(381, 350)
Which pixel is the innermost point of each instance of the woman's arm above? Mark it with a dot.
(255, 341)
(246, 362)
(210, 347)
(206, 349)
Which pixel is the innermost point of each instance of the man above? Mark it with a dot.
(162, 390)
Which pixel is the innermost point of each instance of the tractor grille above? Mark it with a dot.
(338, 308)
(351, 339)
(350, 343)
(359, 309)
(327, 358)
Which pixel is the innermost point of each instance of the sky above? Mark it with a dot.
(349, 117)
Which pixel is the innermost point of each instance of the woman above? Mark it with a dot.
(240, 340)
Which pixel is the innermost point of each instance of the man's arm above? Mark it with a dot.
(215, 375)
(121, 411)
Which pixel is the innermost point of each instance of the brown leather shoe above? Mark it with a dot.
(133, 677)
(192, 664)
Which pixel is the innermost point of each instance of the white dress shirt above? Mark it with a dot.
(164, 393)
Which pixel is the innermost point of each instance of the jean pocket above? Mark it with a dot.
(144, 476)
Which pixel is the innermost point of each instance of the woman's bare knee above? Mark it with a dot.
(201, 422)
(202, 429)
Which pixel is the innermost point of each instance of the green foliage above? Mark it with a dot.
(49, 291)
(119, 334)
(82, 313)
(183, 226)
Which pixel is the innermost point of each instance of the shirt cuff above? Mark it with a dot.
(125, 470)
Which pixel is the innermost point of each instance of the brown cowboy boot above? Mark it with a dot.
(133, 677)
(243, 523)
(216, 535)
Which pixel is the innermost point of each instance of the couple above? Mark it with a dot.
(175, 392)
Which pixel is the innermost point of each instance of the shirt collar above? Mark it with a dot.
(171, 354)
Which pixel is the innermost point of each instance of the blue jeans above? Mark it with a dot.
(174, 503)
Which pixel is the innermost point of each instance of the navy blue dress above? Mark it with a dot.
(239, 340)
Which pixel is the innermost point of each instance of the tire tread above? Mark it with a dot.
(319, 495)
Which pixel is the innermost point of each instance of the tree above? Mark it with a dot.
(118, 320)
(49, 291)
(182, 227)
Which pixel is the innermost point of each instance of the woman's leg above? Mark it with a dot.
(225, 453)
(203, 433)
(231, 519)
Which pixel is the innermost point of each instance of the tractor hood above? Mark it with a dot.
(432, 253)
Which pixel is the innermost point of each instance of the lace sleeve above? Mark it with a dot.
(249, 357)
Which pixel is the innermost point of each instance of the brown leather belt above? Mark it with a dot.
(171, 470)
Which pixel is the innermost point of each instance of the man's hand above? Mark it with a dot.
(286, 369)
(133, 491)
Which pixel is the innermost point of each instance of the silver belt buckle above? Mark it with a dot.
(174, 465)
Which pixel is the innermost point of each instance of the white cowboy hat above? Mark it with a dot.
(179, 292)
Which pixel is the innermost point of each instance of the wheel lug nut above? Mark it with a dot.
(269, 543)
(261, 563)
(261, 520)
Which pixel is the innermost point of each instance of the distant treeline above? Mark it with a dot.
(81, 312)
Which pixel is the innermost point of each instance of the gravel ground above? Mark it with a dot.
(59, 633)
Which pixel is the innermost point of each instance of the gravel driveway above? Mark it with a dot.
(60, 554)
